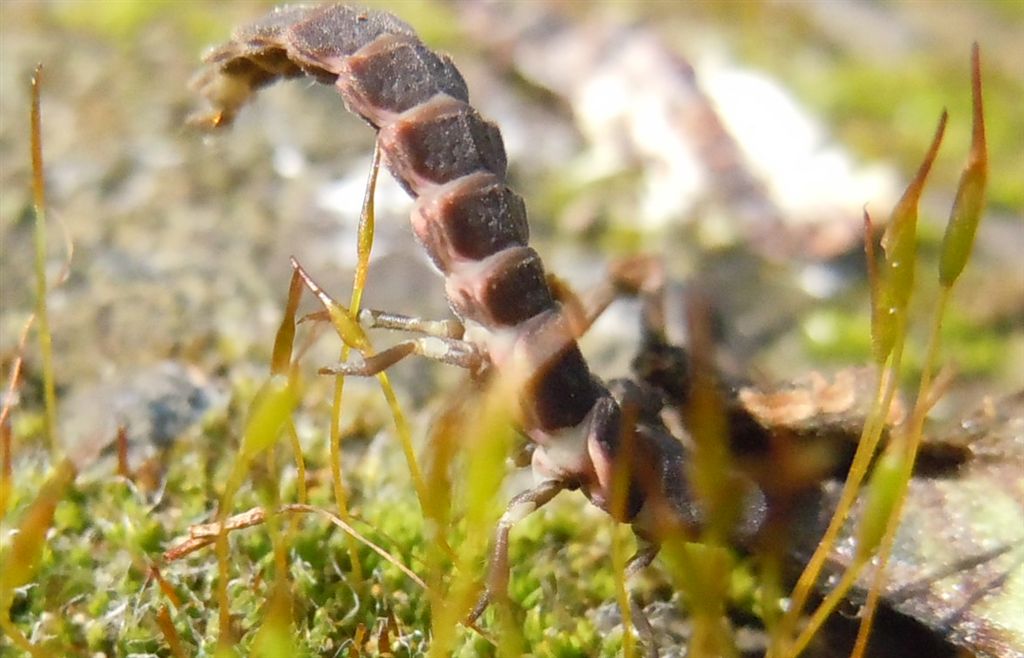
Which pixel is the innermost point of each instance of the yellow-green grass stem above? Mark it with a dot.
(770, 592)
(866, 448)
(22, 556)
(281, 364)
(620, 494)
(957, 245)
(172, 640)
(44, 335)
(269, 415)
(702, 571)
(489, 426)
(619, 562)
(364, 246)
(828, 605)
(908, 443)
(891, 289)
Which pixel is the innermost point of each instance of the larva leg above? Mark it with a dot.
(372, 319)
(643, 627)
(518, 509)
(582, 311)
(635, 276)
(375, 319)
(642, 276)
(643, 557)
(446, 350)
(645, 554)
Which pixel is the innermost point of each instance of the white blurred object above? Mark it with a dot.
(712, 142)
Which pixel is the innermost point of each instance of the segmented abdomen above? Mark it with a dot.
(451, 160)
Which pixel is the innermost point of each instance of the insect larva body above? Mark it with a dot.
(472, 225)
(474, 228)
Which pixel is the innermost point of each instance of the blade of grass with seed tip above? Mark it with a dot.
(893, 285)
(956, 250)
(364, 245)
(21, 557)
(896, 280)
(888, 329)
(45, 337)
(282, 371)
(970, 196)
(284, 339)
(14, 380)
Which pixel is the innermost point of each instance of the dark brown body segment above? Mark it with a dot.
(327, 35)
(564, 392)
(504, 290)
(440, 141)
(395, 73)
(470, 219)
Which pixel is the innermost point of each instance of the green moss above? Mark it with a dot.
(121, 22)
(835, 335)
(973, 347)
(71, 514)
